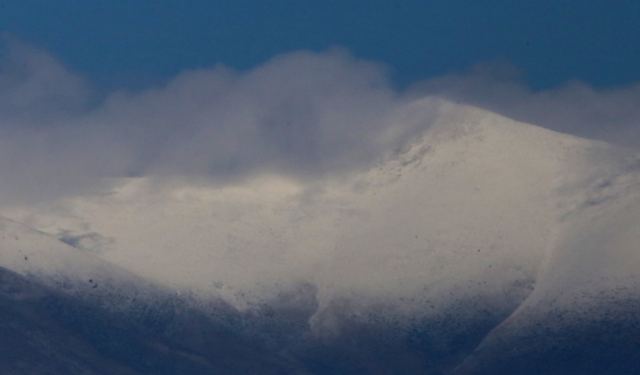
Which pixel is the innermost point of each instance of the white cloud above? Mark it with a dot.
(304, 114)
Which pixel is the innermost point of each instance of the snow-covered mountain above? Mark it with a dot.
(480, 229)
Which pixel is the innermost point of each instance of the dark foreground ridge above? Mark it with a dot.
(45, 331)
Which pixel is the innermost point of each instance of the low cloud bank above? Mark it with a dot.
(302, 114)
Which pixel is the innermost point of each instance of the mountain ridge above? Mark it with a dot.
(481, 225)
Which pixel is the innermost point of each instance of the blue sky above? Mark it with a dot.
(132, 44)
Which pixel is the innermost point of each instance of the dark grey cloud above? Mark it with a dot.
(34, 86)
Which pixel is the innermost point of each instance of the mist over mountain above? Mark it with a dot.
(481, 245)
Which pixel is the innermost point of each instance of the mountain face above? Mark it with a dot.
(484, 246)
(67, 311)
(48, 332)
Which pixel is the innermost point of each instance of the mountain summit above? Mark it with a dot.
(468, 238)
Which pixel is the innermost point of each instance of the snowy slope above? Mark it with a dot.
(28, 251)
(470, 207)
(45, 259)
(474, 200)
(583, 314)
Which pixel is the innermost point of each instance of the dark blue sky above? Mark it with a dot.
(128, 43)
